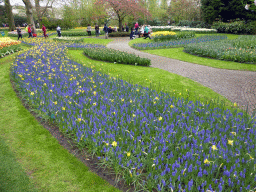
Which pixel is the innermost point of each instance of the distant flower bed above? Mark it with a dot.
(116, 56)
(155, 141)
(177, 43)
(176, 28)
(8, 46)
(170, 35)
(242, 49)
(68, 39)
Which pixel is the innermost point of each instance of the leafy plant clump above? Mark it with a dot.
(10, 49)
(169, 35)
(112, 55)
(242, 49)
(157, 142)
(237, 27)
(177, 43)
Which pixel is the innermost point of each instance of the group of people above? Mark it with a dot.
(32, 31)
(144, 30)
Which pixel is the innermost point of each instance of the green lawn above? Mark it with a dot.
(27, 148)
(177, 53)
(155, 78)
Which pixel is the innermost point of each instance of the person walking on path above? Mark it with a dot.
(146, 33)
(89, 28)
(97, 30)
(44, 30)
(29, 31)
(126, 28)
(33, 29)
(105, 29)
(136, 26)
(59, 31)
(19, 32)
(132, 34)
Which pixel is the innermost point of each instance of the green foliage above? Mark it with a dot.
(240, 50)
(112, 55)
(119, 34)
(210, 10)
(179, 35)
(76, 33)
(237, 27)
(19, 20)
(10, 49)
(194, 24)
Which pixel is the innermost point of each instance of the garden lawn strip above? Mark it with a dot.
(177, 53)
(154, 78)
(50, 166)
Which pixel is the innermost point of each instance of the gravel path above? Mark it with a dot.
(237, 86)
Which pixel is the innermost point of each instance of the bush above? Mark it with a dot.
(76, 33)
(237, 27)
(119, 34)
(194, 24)
(112, 55)
(241, 49)
(173, 36)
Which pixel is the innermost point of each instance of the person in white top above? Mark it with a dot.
(58, 31)
(141, 32)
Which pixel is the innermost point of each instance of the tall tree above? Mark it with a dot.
(122, 8)
(40, 11)
(8, 8)
(164, 4)
(29, 12)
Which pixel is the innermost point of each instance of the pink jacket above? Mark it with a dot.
(136, 25)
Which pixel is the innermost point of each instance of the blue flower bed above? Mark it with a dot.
(177, 43)
(160, 142)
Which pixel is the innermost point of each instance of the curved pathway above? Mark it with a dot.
(237, 86)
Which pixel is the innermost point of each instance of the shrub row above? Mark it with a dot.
(10, 49)
(177, 36)
(240, 50)
(194, 24)
(237, 27)
(112, 55)
(177, 43)
(119, 34)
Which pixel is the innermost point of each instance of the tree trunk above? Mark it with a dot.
(37, 5)
(29, 12)
(8, 8)
(120, 24)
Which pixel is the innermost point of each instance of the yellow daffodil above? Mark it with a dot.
(206, 161)
(107, 144)
(94, 104)
(63, 108)
(234, 133)
(235, 104)
(230, 142)
(171, 106)
(32, 93)
(214, 148)
(55, 103)
(128, 154)
(160, 118)
(114, 144)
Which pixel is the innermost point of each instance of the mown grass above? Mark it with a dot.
(50, 166)
(155, 78)
(177, 53)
